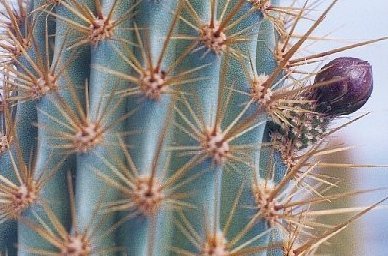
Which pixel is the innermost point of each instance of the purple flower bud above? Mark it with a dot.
(350, 93)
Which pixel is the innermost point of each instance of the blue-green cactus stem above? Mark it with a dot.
(199, 100)
(107, 105)
(154, 52)
(269, 167)
(8, 228)
(153, 26)
(253, 24)
(24, 114)
(154, 127)
(55, 192)
(199, 97)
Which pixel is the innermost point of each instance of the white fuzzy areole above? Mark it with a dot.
(213, 38)
(215, 145)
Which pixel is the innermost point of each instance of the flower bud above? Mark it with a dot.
(351, 87)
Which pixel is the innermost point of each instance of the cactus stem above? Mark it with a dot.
(93, 28)
(144, 194)
(19, 195)
(152, 80)
(39, 76)
(80, 132)
(217, 141)
(214, 35)
(75, 242)
(227, 127)
(216, 241)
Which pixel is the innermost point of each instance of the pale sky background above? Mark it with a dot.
(358, 20)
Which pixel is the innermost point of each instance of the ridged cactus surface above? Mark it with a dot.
(169, 127)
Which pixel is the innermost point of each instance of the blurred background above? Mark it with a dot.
(352, 21)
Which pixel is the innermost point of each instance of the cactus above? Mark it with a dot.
(174, 127)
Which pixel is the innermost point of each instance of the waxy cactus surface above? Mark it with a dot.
(171, 127)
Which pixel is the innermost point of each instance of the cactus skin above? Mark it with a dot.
(148, 121)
